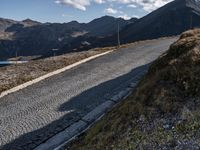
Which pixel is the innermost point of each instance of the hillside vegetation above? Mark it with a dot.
(164, 110)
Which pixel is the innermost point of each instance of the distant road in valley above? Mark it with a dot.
(32, 115)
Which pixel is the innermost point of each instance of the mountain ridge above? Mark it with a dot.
(171, 19)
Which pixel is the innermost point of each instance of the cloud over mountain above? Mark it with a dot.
(111, 11)
(147, 5)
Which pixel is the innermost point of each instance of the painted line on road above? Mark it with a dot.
(24, 85)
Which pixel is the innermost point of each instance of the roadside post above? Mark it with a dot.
(54, 51)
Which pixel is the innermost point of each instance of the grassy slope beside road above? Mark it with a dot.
(162, 112)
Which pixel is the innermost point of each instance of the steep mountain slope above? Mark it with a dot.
(164, 110)
(106, 25)
(40, 39)
(5, 23)
(33, 38)
(171, 19)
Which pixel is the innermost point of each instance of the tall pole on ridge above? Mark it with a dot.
(191, 21)
(118, 38)
(16, 54)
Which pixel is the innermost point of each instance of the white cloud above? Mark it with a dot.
(99, 1)
(132, 6)
(135, 16)
(147, 5)
(75, 3)
(66, 15)
(111, 11)
(125, 17)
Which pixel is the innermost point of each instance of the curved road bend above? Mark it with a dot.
(32, 115)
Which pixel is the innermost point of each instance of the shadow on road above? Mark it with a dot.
(81, 104)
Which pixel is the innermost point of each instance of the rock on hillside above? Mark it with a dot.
(5, 23)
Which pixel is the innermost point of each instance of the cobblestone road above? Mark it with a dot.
(32, 115)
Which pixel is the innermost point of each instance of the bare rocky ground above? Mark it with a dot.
(11, 76)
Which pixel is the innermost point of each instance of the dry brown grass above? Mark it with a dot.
(174, 76)
(190, 33)
(14, 75)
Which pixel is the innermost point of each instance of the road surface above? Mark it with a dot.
(32, 115)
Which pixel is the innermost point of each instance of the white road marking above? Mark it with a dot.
(24, 85)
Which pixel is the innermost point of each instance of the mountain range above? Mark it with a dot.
(28, 37)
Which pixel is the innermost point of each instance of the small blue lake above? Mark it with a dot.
(5, 63)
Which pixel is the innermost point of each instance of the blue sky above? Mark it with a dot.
(80, 10)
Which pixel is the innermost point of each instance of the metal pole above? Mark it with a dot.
(16, 54)
(191, 22)
(118, 36)
(54, 51)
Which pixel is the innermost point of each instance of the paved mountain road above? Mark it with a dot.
(32, 115)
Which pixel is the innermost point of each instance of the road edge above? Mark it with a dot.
(26, 84)
(76, 129)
